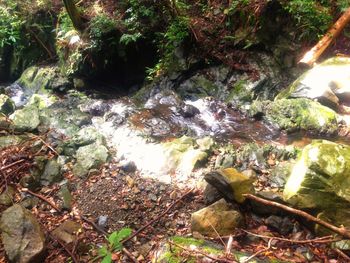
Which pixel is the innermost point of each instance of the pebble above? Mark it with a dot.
(102, 221)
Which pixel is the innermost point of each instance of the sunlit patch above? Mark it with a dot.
(296, 178)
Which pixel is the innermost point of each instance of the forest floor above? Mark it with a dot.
(128, 200)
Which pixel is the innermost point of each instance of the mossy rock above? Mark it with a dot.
(26, 119)
(297, 114)
(9, 140)
(41, 79)
(327, 82)
(321, 177)
(170, 253)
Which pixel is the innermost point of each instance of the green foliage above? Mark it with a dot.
(10, 25)
(101, 31)
(343, 5)
(311, 17)
(114, 244)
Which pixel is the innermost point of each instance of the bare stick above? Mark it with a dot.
(259, 252)
(339, 230)
(325, 239)
(12, 164)
(42, 198)
(202, 253)
(158, 217)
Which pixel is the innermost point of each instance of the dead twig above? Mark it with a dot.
(12, 164)
(259, 252)
(342, 254)
(53, 205)
(158, 217)
(202, 253)
(339, 230)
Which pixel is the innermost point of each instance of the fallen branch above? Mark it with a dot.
(158, 217)
(313, 54)
(325, 239)
(42, 198)
(202, 253)
(339, 230)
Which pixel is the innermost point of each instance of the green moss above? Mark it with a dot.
(297, 114)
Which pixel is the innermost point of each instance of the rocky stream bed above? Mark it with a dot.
(108, 161)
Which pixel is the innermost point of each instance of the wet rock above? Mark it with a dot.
(327, 82)
(22, 236)
(89, 157)
(297, 114)
(95, 108)
(282, 225)
(7, 106)
(52, 173)
(66, 232)
(181, 155)
(26, 119)
(211, 194)
(189, 111)
(172, 253)
(42, 101)
(128, 166)
(9, 140)
(221, 216)
(40, 79)
(6, 198)
(231, 183)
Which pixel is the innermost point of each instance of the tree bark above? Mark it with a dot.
(313, 54)
(74, 14)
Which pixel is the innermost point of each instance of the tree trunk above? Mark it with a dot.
(74, 14)
(313, 54)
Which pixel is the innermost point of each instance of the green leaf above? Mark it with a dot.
(107, 258)
(103, 251)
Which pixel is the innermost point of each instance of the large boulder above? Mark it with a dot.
(21, 235)
(219, 218)
(296, 114)
(321, 177)
(328, 82)
(40, 79)
(320, 181)
(26, 119)
(7, 106)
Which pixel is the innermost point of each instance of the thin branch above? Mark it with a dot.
(75, 260)
(259, 252)
(339, 230)
(12, 164)
(325, 239)
(42, 198)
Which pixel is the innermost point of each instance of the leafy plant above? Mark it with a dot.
(10, 25)
(310, 15)
(114, 244)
